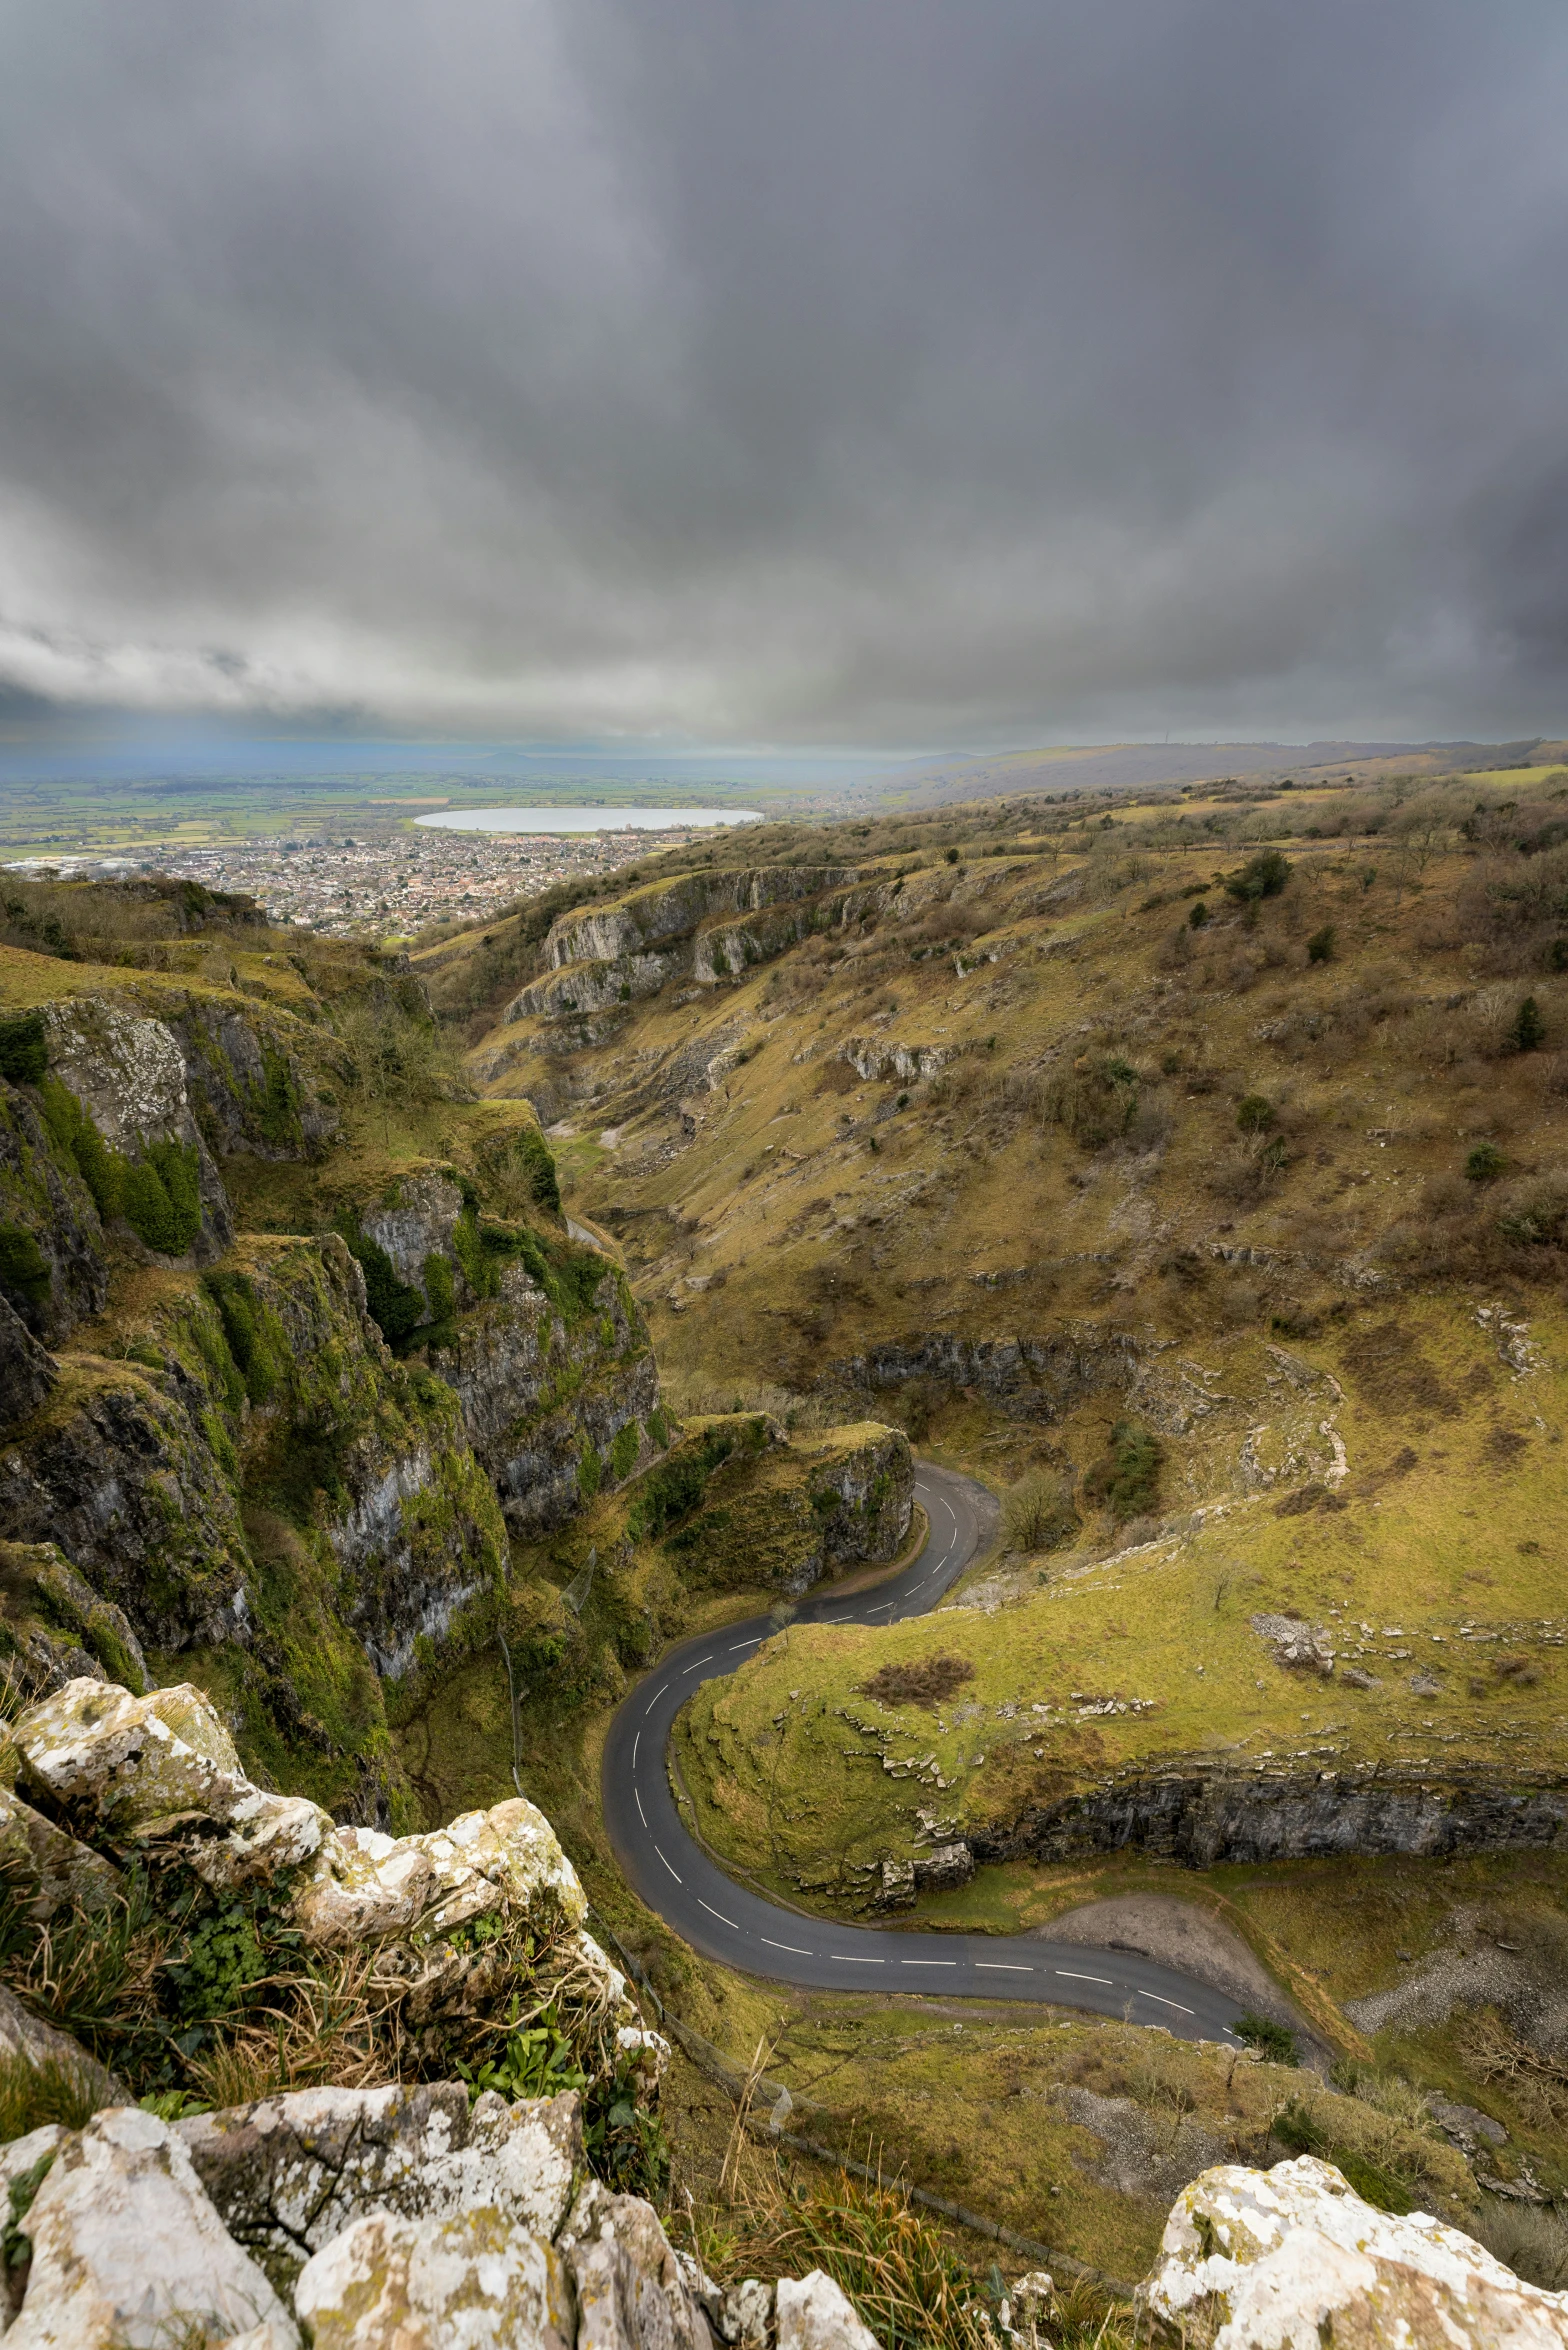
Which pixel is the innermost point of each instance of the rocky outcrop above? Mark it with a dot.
(27, 1370)
(140, 1470)
(116, 1471)
(128, 1074)
(44, 1201)
(55, 1628)
(552, 1407)
(127, 2249)
(290, 2173)
(1204, 1815)
(1027, 1378)
(701, 926)
(1254, 2260)
(157, 1778)
(371, 2220)
(862, 1492)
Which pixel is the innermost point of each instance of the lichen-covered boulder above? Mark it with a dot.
(813, 2313)
(1291, 2258)
(158, 1776)
(629, 2285)
(469, 2282)
(129, 2254)
(149, 1774)
(290, 2173)
(34, 1852)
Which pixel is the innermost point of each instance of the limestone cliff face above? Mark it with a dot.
(553, 1407)
(1202, 1816)
(700, 926)
(269, 1391)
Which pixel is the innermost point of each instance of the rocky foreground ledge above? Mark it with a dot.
(367, 2219)
(396, 2219)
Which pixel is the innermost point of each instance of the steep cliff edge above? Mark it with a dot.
(281, 1462)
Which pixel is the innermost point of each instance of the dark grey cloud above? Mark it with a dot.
(833, 370)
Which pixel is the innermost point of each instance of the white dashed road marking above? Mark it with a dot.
(793, 1948)
(1067, 1976)
(653, 1701)
(717, 1913)
(675, 1873)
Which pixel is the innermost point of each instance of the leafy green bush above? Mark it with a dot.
(255, 1339)
(1254, 1113)
(1275, 2041)
(1485, 1163)
(396, 1308)
(24, 1269)
(1528, 1032)
(1320, 946)
(1199, 916)
(539, 1161)
(440, 1287)
(1127, 1480)
(24, 1048)
(1263, 876)
(100, 1168)
(160, 1197)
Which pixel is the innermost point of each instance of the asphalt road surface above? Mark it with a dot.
(727, 1921)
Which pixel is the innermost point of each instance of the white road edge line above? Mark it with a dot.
(673, 1872)
(717, 1913)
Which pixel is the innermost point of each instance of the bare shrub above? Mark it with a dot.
(927, 1681)
(1038, 1513)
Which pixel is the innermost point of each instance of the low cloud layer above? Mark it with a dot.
(893, 371)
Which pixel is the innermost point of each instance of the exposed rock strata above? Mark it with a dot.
(1205, 1817)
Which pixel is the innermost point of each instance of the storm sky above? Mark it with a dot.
(904, 372)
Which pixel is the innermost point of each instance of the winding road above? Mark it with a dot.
(726, 1921)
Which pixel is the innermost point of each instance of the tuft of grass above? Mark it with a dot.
(32, 2095)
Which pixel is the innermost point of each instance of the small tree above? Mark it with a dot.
(1485, 1163)
(1199, 915)
(1529, 1029)
(1254, 1113)
(1320, 946)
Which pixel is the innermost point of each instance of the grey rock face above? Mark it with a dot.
(1202, 1818)
(1298, 1646)
(46, 1197)
(289, 2174)
(27, 1370)
(812, 2313)
(126, 2247)
(950, 1865)
(128, 1073)
(535, 1392)
(471, 2279)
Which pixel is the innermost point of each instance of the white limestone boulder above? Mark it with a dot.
(128, 2253)
(813, 2313)
(159, 1772)
(159, 1775)
(1292, 2258)
(474, 2281)
(288, 2174)
(630, 2288)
